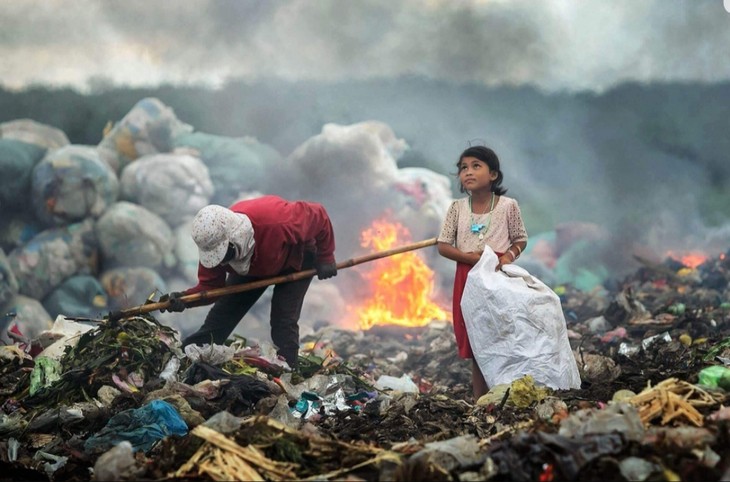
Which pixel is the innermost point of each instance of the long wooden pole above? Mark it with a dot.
(213, 294)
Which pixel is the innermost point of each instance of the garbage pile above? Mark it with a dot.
(83, 397)
(121, 400)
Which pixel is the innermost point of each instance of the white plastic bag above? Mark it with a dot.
(516, 326)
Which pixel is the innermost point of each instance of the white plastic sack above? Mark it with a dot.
(516, 326)
(402, 384)
(131, 235)
(149, 128)
(32, 132)
(62, 334)
(173, 186)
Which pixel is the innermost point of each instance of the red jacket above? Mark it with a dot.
(282, 230)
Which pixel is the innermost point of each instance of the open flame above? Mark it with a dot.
(690, 259)
(402, 285)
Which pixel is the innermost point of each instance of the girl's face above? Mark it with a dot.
(475, 174)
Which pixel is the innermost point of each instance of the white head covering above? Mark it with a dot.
(214, 228)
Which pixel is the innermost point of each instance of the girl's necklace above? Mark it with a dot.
(476, 227)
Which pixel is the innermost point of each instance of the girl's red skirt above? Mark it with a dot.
(462, 337)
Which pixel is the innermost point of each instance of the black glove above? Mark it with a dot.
(326, 270)
(176, 304)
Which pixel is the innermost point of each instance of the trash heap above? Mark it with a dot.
(122, 400)
(85, 398)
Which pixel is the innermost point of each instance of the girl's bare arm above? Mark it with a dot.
(450, 252)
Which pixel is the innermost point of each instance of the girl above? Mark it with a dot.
(485, 217)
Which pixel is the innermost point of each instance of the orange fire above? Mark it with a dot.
(402, 285)
(691, 259)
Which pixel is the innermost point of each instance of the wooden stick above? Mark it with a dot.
(227, 290)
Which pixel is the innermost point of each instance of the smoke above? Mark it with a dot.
(556, 45)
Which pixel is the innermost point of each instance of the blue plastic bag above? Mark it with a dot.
(142, 427)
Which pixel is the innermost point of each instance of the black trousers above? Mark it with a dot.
(286, 308)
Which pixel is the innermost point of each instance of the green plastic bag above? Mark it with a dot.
(715, 376)
(44, 374)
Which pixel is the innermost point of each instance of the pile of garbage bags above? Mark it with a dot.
(91, 229)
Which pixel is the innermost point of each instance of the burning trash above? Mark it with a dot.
(402, 286)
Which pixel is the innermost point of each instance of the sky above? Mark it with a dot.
(555, 45)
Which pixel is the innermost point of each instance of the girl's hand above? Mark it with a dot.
(504, 259)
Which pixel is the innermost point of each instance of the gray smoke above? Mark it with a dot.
(556, 45)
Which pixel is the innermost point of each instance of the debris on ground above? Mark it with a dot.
(389, 403)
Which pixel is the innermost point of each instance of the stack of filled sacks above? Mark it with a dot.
(89, 229)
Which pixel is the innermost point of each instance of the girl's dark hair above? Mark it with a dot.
(489, 157)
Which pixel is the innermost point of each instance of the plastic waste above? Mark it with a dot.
(70, 184)
(131, 235)
(141, 427)
(8, 283)
(307, 406)
(647, 342)
(54, 462)
(80, 296)
(617, 417)
(46, 371)
(16, 229)
(13, 446)
(635, 468)
(32, 132)
(63, 333)
(118, 463)
(173, 186)
(598, 324)
(171, 369)
(12, 424)
(130, 286)
(627, 349)
(516, 326)
(235, 165)
(186, 253)
(579, 266)
(24, 318)
(148, 128)
(54, 255)
(677, 309)
(224, 422)
(715, 376)
(495, 395)
(17, 160)
(359, 399)
(211, 354)
(454, 453)
(403, 384)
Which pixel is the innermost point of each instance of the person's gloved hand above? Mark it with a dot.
(176, 304)
(326, 270)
